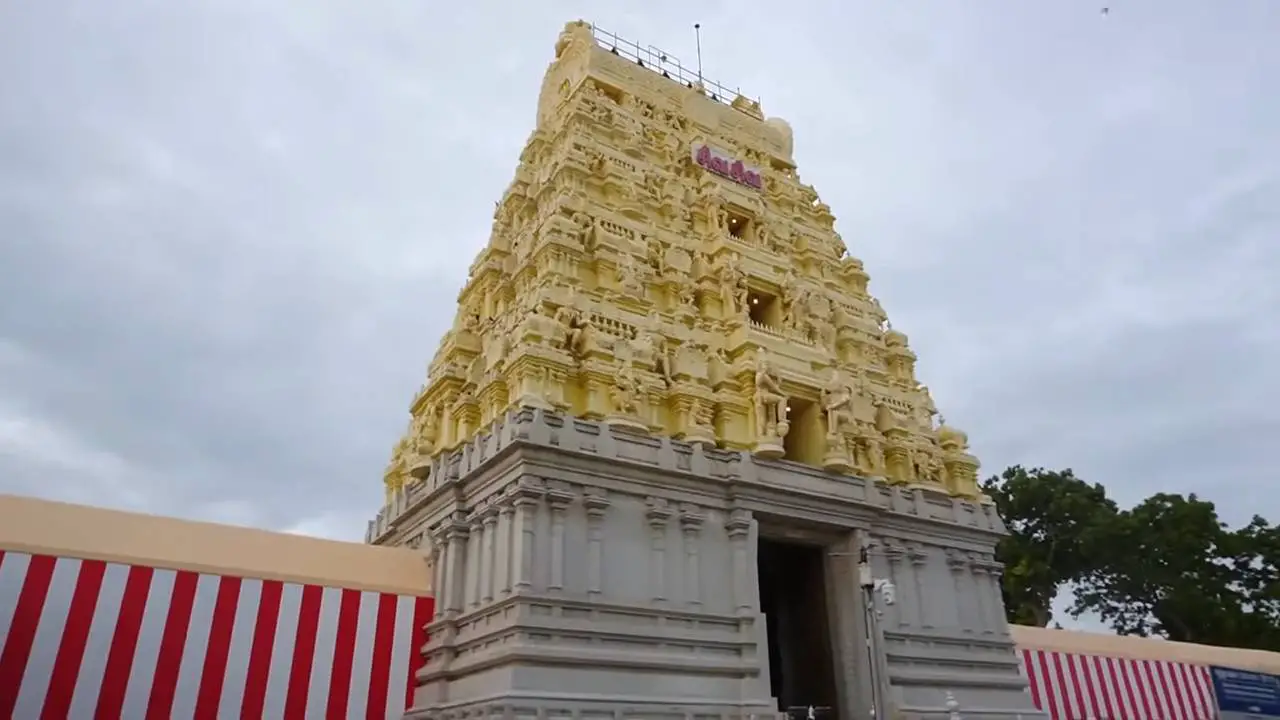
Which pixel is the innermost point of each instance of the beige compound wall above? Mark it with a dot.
(60, 529)
(43, 527)
(1136, 648)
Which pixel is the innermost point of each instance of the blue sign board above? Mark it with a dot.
(1244, 694)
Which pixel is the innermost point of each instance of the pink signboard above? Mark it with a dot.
(711, 159)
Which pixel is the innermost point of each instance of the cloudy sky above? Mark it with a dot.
(231, 230)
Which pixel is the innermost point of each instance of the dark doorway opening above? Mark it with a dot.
(793, 596)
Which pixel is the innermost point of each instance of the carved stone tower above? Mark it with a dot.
(666, 425)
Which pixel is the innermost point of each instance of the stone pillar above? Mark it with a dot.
(489, 563)
(559, 501)
(691, 526)
(658, 513)
(525, 497)
(596, 503)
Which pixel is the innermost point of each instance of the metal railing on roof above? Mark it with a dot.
(668, 66)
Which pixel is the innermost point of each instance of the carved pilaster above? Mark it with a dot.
(691, 520)
(558, 500)
(456, 533)
(987, 571)
(897, 556)
(596, 503)
(502, 574)
(919, 565)
(439, 563)
(958, 564)
(658, 514)
(489, 561)
(738, 526)
(475, 561)
(525, 497)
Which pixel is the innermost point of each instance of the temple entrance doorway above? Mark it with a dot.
(793, 597)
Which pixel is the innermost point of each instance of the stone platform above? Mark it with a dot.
(590, 572)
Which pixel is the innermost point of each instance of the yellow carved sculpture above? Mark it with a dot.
(656, 263)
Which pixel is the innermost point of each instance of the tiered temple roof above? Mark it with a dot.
(657, 263)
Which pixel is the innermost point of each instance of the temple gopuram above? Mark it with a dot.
(671, 459)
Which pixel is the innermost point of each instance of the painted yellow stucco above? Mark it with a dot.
(625, 280)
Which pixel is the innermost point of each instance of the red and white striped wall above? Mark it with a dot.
(92, 639)
(1071, 686)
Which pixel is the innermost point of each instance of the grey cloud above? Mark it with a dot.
(231, 233)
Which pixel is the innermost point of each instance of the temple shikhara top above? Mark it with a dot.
(658, 264)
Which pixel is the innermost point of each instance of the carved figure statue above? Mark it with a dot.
(769, 399)
(733, 286)
(717, 366)
(651, 347)
(701, 415)
(575, 325)
(881, 319)
(656, 257)
(625, 392)
(629, 276)
(425, 431)
(689, 296)
(837, 402)
(586, 228)
(794, 310)
(875, 455)
(789, 287)
(937, 470)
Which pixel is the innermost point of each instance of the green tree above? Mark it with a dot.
(1168, 567)
(1053, 519)
(1171, 567)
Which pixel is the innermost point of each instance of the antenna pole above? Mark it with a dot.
(697, 34)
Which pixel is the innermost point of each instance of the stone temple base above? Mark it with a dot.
(586, 572)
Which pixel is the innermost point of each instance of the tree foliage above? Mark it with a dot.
(1168, 566)
(1053, 519)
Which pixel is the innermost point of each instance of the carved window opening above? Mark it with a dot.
(764, 308)
(739, 225)
(806, 432)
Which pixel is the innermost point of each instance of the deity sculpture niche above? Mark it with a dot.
(628, 275)
(575, 325)
(717, 365)
(585, 225)
(698, 424)
(539, 323)
(650, 346)
(656, 255)
(937, 470)
(625, 395)
(688, 297)
(875, 456)
(545, 390)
